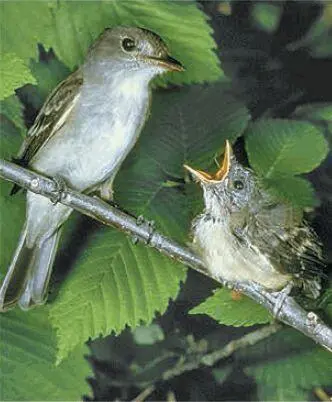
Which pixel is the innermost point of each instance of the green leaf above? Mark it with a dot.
(12, 109)
(71, 27)
(224, 309)
(292, 377)
(286, 365)
(14, 73)
(280, 149)
(115, 283)
(24, 24)
(48, 73)
(181, 135)
(296, 190)
(320, 113)
(28, 351)
(284, 147)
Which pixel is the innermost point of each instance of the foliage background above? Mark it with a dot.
(257, 74)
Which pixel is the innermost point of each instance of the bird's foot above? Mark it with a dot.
(150, 225)
(107, 193)
(279, 298)
(60, 189)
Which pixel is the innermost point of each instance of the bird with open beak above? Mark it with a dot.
(82, 134)
(245, 234)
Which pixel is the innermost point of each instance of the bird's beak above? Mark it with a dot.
(222, 172)
(168, 63)
(199, 174)
(226, 163)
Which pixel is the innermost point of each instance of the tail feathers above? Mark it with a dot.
(35, 291)
(16, 277)
(312, 287)
(29, 272)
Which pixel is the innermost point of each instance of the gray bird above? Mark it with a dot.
(245, 234)
(82, 134)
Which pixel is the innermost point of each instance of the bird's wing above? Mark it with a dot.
(52, 116)
(289, 242)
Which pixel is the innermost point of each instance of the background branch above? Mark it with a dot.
(290, 313)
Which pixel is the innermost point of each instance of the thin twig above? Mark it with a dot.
(290, 312)
(210, 359)
(144, 394)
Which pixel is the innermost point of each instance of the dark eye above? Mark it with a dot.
(128, 44)
(238, 184)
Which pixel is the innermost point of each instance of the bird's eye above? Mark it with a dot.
(238, 185)
(128, 44)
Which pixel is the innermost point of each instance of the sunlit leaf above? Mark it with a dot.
(227, 310)
(115, 283)
(70, 27)
(14, 73)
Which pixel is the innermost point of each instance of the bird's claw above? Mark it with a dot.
(60, 189)
(151, 226)
(279, 299)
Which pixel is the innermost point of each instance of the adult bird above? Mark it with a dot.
(82, 134)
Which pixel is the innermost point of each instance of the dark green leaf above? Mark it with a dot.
(279, 149)
(28, 351)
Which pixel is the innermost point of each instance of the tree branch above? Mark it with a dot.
(290, 312)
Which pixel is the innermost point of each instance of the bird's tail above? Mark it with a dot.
(29, 272)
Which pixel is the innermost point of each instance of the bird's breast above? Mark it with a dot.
(232, 261)
(102, 130)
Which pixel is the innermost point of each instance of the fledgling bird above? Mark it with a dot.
(245, 234)
(82, 134)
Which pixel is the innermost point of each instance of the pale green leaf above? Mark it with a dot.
(223, 308)
(28, 352)
(284, 147)
(70, 27)
(24, 24)
(115, 283)
(14, 73)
